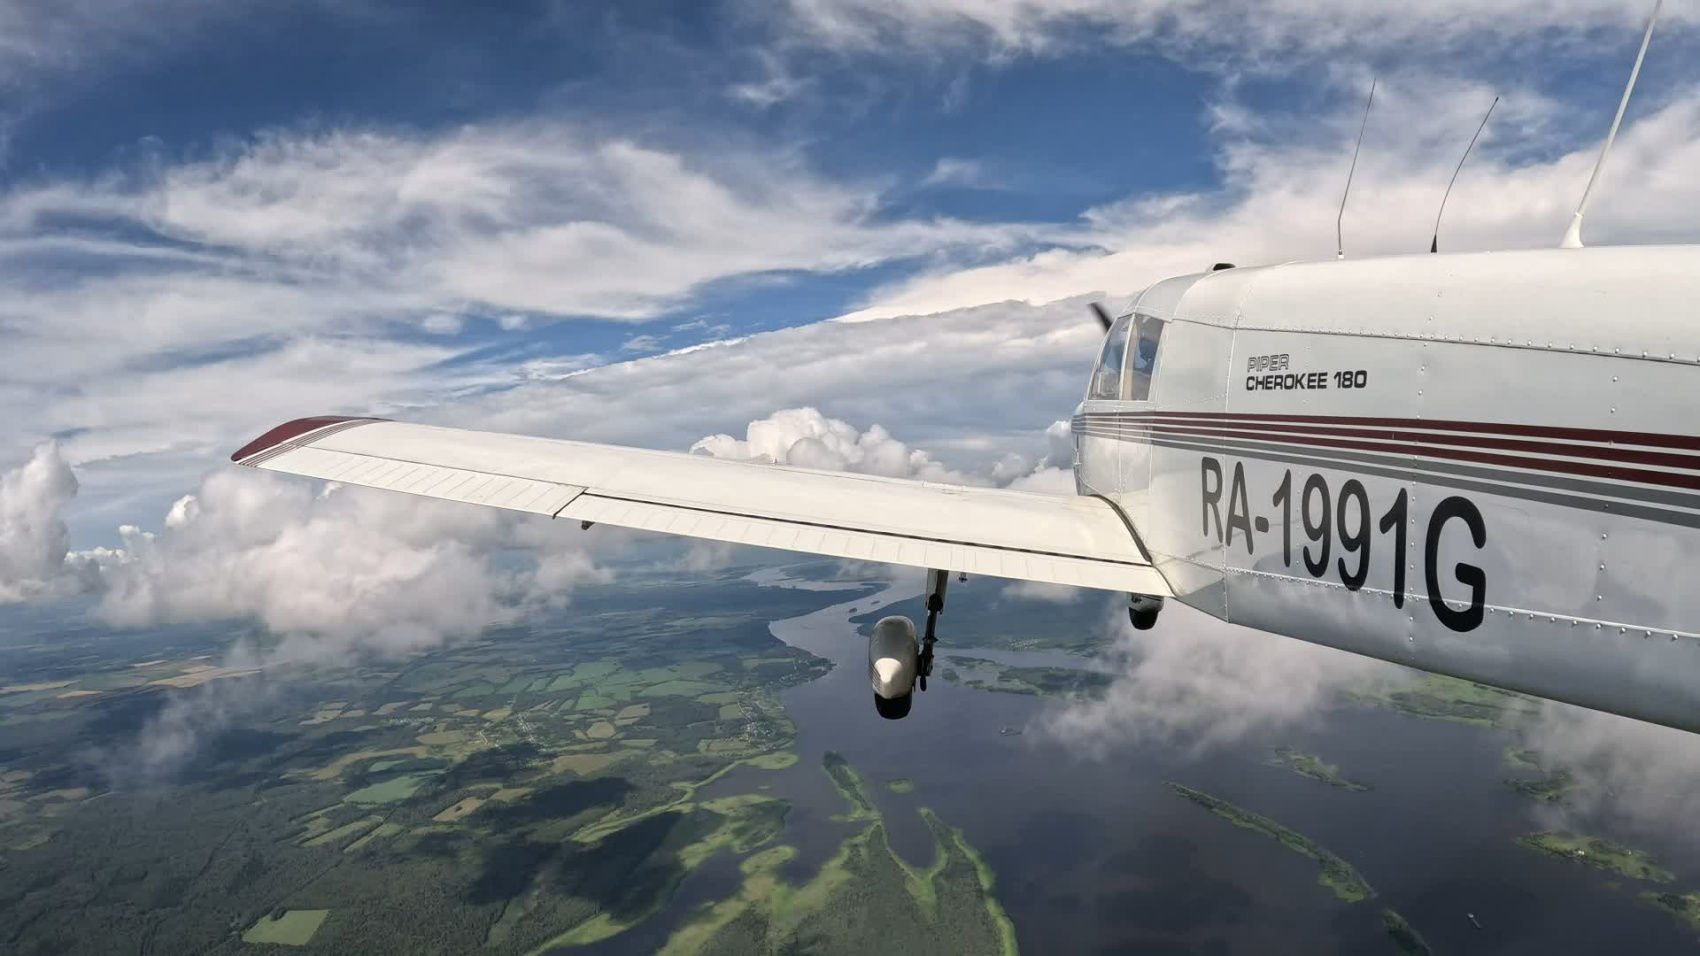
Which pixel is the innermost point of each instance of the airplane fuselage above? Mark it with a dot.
(1482, 465)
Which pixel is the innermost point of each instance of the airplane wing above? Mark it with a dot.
(1056, 539)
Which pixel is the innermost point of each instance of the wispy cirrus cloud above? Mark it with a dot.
(340, 270)
(1281, 180)
(1260, 34)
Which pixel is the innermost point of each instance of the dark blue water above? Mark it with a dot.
(1097, 855)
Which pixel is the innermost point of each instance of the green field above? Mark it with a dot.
(293, 928)
(396, 788)
(535, 783)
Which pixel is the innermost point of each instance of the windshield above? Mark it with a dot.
(1107, 377)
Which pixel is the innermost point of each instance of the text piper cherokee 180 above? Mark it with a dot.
(1482, 465)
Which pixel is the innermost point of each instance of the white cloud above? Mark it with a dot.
(955, 171)
(1259, 32)
(33, 538)
(171, 310)
(971, 385)
(40, 37)
(1037, 591)
(175, 308)
(535, 217)
(777, 83)
(335, 573)
(805, 437)
(1281, 190)
(641, 343)
(1196, 682)
(442, 323)
(1637, 773)
(175, 735)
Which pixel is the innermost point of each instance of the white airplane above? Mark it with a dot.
(1482, 465)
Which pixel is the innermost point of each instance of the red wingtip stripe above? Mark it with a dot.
(288, 431)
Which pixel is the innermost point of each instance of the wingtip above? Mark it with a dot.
(289, 431)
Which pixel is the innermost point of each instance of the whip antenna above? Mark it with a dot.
(1573, 235)
(1339, 235)
(1434, 244)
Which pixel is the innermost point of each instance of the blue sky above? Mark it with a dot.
(216, 215)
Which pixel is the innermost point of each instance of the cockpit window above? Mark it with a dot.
(1142, 358)
(1107, 377)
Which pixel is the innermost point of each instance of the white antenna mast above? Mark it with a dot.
(1339, 235)
(1573, 235)
(1434, 244)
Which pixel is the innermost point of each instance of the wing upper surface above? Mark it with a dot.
(1029, 536)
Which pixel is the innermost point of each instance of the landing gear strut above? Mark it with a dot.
(936, 582)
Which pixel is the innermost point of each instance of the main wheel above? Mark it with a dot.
(894, 708)
(1143, 620)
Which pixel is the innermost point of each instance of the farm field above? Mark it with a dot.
(535, 784)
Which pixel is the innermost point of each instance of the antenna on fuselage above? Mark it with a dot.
(1339, 231)
(1573, 235)
(1434, 244)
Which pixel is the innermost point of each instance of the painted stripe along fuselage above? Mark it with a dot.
(1425, 460)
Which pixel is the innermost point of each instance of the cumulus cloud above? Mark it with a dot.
(331, 572)
(805, 437)
(33, 538)
(1195, 682)
(334, 573)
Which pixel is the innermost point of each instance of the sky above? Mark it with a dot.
(860, 233)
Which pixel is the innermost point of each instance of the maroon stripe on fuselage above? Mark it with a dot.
(1394, 441)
